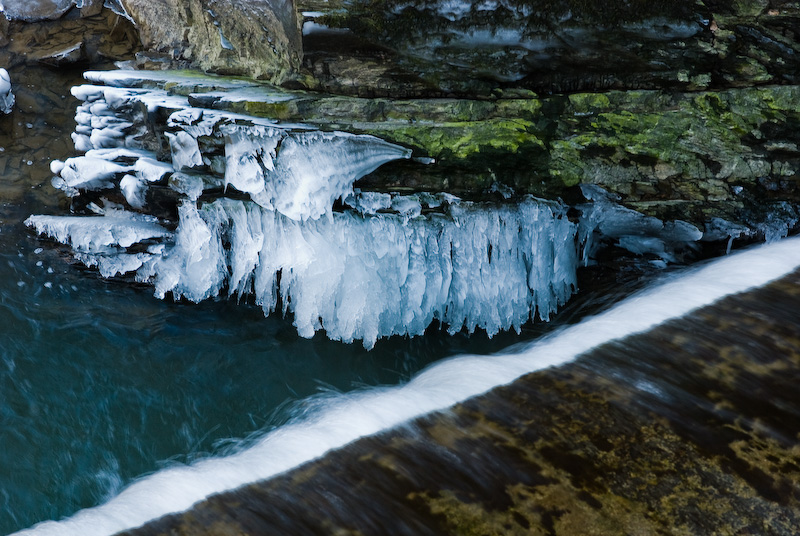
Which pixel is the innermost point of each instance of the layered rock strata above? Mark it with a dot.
(439, 48)
(700, 157)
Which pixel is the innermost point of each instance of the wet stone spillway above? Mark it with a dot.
(690, 428)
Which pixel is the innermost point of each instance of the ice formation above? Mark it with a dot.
(110, 233)
(632, 230)
(6, 96)
(255, 217)
(299, 174)
(251, 207)
(356, 277)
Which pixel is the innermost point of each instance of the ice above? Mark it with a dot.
(407, 206)
(301, 174)
(257, 216)
(115, 229)
(194, 267)
(191, 185)
(185, 150)
(363, 278)
(6, 95)
(87, 173)
(631, 230)
(111, 266)
(356, 277)
(133, 188)
(99, 168)
(150, 169)
(369, 202)
(250, 154)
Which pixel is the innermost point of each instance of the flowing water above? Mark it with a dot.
(101, 383)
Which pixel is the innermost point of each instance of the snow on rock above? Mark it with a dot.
(289, 168)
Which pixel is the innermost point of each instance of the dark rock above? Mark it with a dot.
(436, 48)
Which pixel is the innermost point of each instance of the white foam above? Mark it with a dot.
(344, 418)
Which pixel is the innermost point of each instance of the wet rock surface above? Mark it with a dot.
(437, 48)
(35, 131)
(79, 36)
(690, 428)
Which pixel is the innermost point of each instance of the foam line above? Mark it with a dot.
(337, 420)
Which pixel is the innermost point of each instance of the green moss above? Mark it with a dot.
(461, 140)
(589, 102)
(276, 110)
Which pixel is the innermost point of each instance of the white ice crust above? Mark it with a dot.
(99, 234)
(301, 174)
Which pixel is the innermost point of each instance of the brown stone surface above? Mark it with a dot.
(691, 428)
(256, 38)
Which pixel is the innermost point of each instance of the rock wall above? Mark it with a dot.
(436, 47)
(259, 39)
(695, 156)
